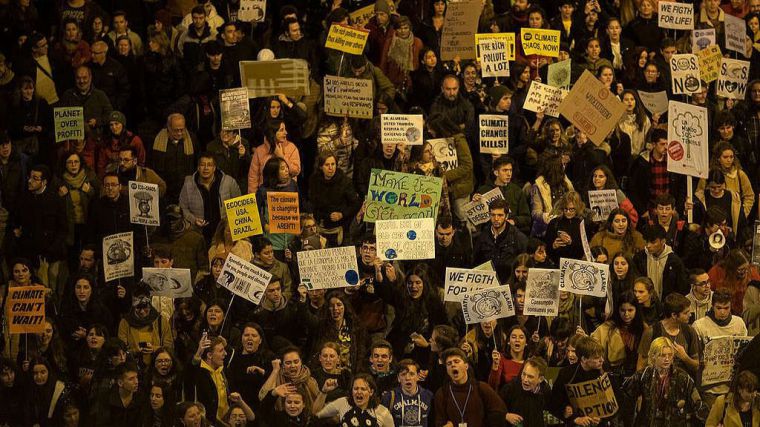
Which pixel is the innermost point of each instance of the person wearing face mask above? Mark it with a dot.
(251, 365)
(410, 404)
(527, 395)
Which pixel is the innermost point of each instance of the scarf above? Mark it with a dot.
(721, 323)
(655, 267)
(400, 52)
(360, 417)
(74, 184)
(135, 322)
(162, 139)
(303, 382)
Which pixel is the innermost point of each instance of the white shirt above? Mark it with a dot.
(340, 406)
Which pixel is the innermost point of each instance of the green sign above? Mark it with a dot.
(397, 195)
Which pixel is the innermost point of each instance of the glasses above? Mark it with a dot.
(99, 53)
(124, 160)
(569, 209)
(702, 284)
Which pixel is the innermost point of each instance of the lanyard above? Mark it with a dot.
(461, 410)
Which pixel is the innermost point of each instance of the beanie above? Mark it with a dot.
(117, 116)
(382, 6)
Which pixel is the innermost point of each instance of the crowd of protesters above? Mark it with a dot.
(389, 350)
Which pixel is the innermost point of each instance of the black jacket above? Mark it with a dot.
(43, 223)
(502, 250)
(674, 275)
(112, 78)
(335, 195)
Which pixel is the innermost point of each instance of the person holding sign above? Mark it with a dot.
(725, 158)
(338, 201)
(602, 178)
(563, 234)
(276, 179)
(669, 396)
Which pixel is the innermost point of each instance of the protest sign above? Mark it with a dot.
(655, 102)
(487, 304)
(143, 204)
(397, 195)
(243, 216)
(445, 152)
(459, 281)
(700, 39)
(594, 398)
(494, 134)
(687, 133)
(684, 74)
(25, 306)
(544, 98)
(486, 266)
(494, 53)
(583, 277)
(361, 17)
(542, 292)
(756, 244)
(736, 33)
(118, 256)
(284, 212)
(328, 268)
(601, 203)
(347, 96)
(269, 78)
(709, 63)
(536, 41)
(592, 108)
(719, 358)
(477, 211)
(404, 239)
(675, 16)
(459, 27)
(68, 123)
(346, 39)
(732, 82)
(402, 128)
(558, 74)
(168, 282)
(584, 241)
(244, 279)
(252, 10)
(236, 111)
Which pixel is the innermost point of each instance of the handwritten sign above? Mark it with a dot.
(348, 96)
(676, 16)
(736, 33)
(544, 98)
(655, 102)
(494, 134)
(542, 292)
(236, 111)
(709, 63)
(405, 239)
(558, 74)
(328, 268)
(536, 41)
(719, 358)
(459, 27)
(25, 306)
(592, 108)
(602, 202)
(284, 213)
(594, 398)
(459, 281)
(477, 211)
(732, 82)
(346, 39)
(118, 256)
(687, 133)
(684, 74)
(402, 128)
(68, 123)
(398, 195)
(243, 216)
(487, 304)
(244, 279)
(495, 50)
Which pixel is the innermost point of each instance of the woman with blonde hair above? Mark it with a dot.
(563, 234)
(222, 243)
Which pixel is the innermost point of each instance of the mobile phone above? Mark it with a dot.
(142, 344)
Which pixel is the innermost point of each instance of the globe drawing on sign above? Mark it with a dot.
(391, 254)
(352, 277)
(412, 134)
(582, 277)
(486, 304)
(118, 252)
(411, 234)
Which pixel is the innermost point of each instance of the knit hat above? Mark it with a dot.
(382, 6)
(117, 116)
(496, 93)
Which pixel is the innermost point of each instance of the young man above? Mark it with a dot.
(122, 406)
(700, 295)
(528, 395)
(465, 401)
(501, 242)
(676, 229)
(381, 365)
(649, 176)
(409, 404)
(503, 169)
(207, 370)
(660, 263)
(453, 248)
(674, 325)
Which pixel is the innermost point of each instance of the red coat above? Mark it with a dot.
(393, 71)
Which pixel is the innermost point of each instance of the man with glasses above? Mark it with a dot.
(109, 214)
(110, 76)
(700, 295)
(130, 170)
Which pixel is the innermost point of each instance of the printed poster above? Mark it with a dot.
(397, 195)
(346, 39)
(25, 309)
(348, 97)
(592, 108)
(402, 128)
(583, 277)
(687, 133)
(536, 41)
(269, 78)
(118, 256)
(544, 98)
(243, 216)
(68, 123)
(328, 268)
(494, 134)
(459, 28)
(361, 17)
(244, 279)
(601, 203)
(676, 16)
(487, 304)
(495, 50)
(459, 281)
(700, 39)
(684, 74)
(143, 204)
(405, 239)
(168, 282)
(236, 111)
(542, 292)
(732, 81)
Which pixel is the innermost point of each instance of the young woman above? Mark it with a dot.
(635, 123)
(81, 310)
(251, 364)
(337, 201)
(329, 369)
(338, 323)
(276, 179)
(606, 75)
(725, 160)
(295, 414)
(563, 234)
(276, 144)
(43, 396)
(222, 244)
(191, 414)
(602, 178)
(592, 61)
(622, 274)
(239, 414)
(11, 394)
(549, 187)
(734, 274)
(30, 121)
(647, 300)
(165, 370)
(426, 80)
(619, 235)
(480, 343)
(620, 337)
(48, 345)
(360, 408)
(159, 408)
(186, 325)
(212, 320)
(507, 366)
(738, 408)
(82, 365)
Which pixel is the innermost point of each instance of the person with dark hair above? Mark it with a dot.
(675, 326)
(337, 202)
(121, 28)
(409, 404)
(504, 170)
(619, 235)
(676, 229)
(734, 273)
(426, 79)
(232, 153)
(361, 407)
(336, 321)
(697, 250)
(190, 45)
(43, 396)
(251, 365)
(289, 375)
(276, 144)
(649, 176)
(727, 189)
(276, 179)
(662, 265)
(453, 247)
(81, 309)
(264, 258)
(11, 393)
(739, 407)
(78, 185)
(501, 242)
(158, 409)
(700, 294)
(361, 68)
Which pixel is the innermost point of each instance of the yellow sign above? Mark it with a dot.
(361, 17)
(593, 398)
(346, 39)
(536, 41)
(243, 216)
(26, 309)
(709, 63)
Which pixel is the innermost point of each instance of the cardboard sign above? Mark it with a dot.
(601, 203)
(68, 123)
(732, 82)
(684, 74)
(700, 39)
(346, 39)
(236, 111)
(252, 10)
(719, 358)
(494, 134)
(676, 16)
(536, 41)
(459, 281)
(402, 128)
(244, 279)
(594, 398)
(404, 239)
(243, 216)
(168, 282)
(583, 277)
(25, 307)
(709, 63)
(477, 212)
(687, 133)
(143, 204)
(592, 108)
(542, 292)
(655, 102)
(284, 212)
(487, 304)
(361, 17)
(118, 256)
(445, 152)
(736, 33)
(348, 97)
(398, 195)
(459, 28)
(328, 268)
(494, 53)
(269, 78)
(544, 98)
(558, 74)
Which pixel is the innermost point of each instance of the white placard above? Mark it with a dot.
(655, 102)
(244, 279)
(601, 203)
(487, 304)
(494, 134)
(143, 204)
(459, 281)
(676, 16)
(542, 292)
(700, 39)
(687, 133)
(402, 128)
(544, 98)
(328, 268)
(583, 277)
(684, 74)
(558, 74)
(350, 97)
(477, 212)
(404, 239)
(445, 152)
(168, 282)
(719, 358)
(736, 33)
(118, 256)
(732, 81)
(252, 10)
(494, 53)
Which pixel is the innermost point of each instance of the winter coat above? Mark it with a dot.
(336, 195)
(191, 200)
(43, 223)
(260, 156)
